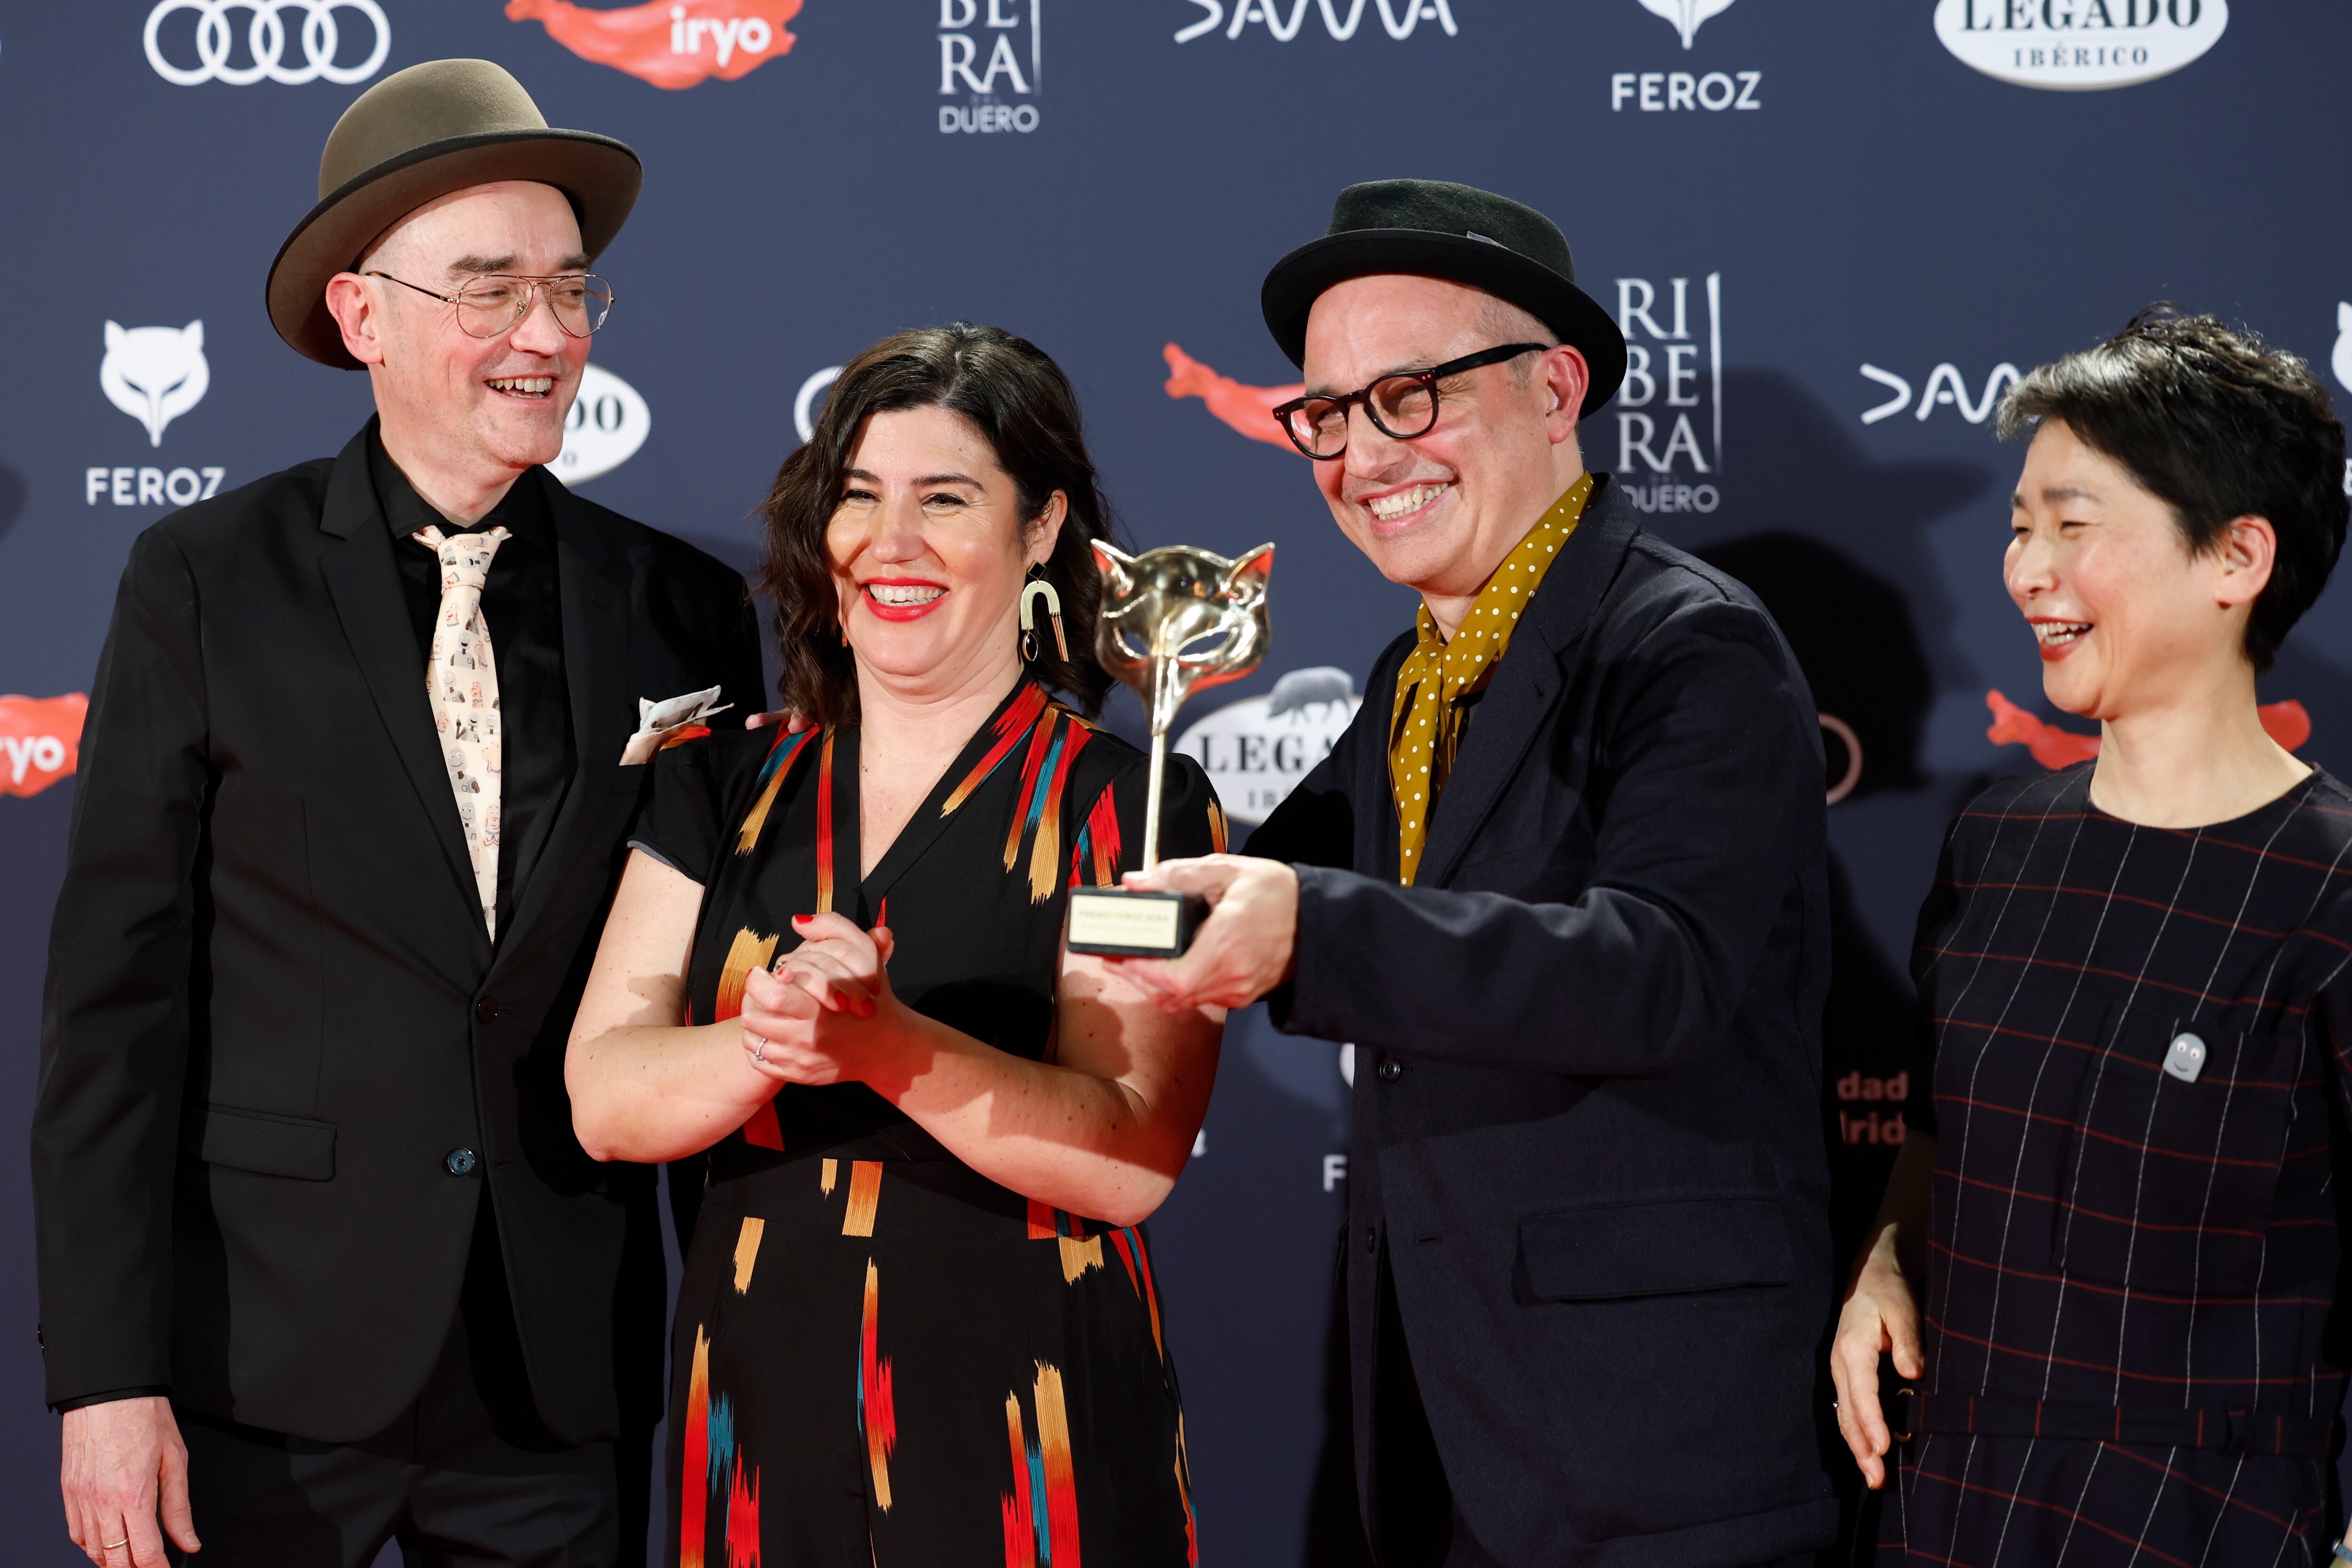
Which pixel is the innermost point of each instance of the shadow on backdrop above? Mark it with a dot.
(12, 498)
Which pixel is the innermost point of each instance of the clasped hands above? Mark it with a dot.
(825, 1012)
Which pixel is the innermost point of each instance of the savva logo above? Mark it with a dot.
(2080, 44)
(1398, 17)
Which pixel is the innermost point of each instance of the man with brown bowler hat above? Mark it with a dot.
(1562, 885)
(321, 1265)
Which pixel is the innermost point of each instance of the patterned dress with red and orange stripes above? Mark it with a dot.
(881, 1357)
(2136, 1347)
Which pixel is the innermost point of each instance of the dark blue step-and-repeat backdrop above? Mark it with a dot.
(1833, 233)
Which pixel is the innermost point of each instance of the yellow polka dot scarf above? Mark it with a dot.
(1426, 725)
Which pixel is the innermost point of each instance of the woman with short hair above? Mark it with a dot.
(920, 1322)
(2107, 1261)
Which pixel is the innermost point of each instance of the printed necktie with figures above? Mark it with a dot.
(461, 679)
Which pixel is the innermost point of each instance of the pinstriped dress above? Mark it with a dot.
(881, 1357)
(2139, 1094)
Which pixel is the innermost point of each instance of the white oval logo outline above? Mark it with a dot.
(1310, 707)
(609, 421)
(2117, 54)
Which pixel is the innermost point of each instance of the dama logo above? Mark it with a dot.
(154, 373)
(40, 740)
(672, 44)
(1945, 386)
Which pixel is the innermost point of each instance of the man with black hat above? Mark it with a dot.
(321, 1264)
(1562, 884)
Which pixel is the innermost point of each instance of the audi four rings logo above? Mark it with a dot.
(267, 35)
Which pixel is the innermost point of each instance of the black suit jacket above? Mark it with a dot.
(1587, 1125)
(272, 1012)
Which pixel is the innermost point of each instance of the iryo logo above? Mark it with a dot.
(963, 35)
(1245, 12)
(40, 740)
(609, 421)
(672, 44)
(1673, 391)
(2072, 45)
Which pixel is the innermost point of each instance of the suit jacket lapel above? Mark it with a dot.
(365, 587)
(593, 587)
(1527, 679)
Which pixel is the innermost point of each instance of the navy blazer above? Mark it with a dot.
(1586, 1124)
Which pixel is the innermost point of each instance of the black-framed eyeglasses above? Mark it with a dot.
(495, 302)
(1402, 405)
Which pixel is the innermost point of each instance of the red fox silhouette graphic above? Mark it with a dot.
(1248, 409)
(2286, 722)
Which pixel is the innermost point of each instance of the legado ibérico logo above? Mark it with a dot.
(1670, 409)
(608, 422)
(1255, 750)
(40, 740)
(1397, 19)
(290, 42)
(154, 374)
(672, 44)
(2077, 44)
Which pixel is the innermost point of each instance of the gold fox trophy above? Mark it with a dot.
(1173, 620)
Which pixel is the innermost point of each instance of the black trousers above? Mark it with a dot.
(466, 1477)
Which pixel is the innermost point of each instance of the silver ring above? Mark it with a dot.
(757, 1050)
(111, 1545)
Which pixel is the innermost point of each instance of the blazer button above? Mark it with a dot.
(1390, 1069)
(458, 1162)
(486, 1011)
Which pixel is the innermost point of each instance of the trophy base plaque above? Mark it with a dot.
(1116, 922)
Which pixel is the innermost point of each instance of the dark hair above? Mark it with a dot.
(1019, 399)
(2219, 426)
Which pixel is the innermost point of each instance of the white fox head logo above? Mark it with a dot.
(1687, 15)
(2343, 361)
(154, 373)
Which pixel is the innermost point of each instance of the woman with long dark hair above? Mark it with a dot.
(920, 1322)
(2106, 1270)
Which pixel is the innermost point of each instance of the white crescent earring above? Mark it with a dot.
(1030, 593)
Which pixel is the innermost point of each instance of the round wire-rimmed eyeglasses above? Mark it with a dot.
(496, 302)
(1401, 404)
